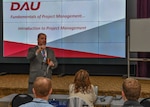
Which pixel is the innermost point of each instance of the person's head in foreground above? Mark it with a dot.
(82, 81)
(42, 88)
(131, 89)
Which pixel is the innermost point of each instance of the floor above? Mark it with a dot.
(107, 85)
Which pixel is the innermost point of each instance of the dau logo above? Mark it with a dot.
(25, 6)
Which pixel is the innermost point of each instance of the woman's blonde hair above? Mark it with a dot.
(82, 81)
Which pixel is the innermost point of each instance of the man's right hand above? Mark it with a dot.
(40, 48)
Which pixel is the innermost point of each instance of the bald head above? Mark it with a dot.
(42, 86)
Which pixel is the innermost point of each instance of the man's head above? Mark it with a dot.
(131, 89)
(41, 39)
(42, 87)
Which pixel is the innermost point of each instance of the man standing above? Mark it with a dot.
(42, 89)
(42, 61)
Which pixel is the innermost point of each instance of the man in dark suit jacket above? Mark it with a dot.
(42, 61)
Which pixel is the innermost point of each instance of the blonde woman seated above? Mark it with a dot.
(82, 88)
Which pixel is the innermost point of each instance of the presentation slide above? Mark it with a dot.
(74, 28)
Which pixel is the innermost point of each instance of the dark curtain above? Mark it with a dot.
(143, 11)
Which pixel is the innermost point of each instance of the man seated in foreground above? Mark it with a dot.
(131, 90)
(42, 89)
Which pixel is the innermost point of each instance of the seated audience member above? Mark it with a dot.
(82, 87)
(42, 89)
(131, 90)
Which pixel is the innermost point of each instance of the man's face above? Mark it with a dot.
(42, 40)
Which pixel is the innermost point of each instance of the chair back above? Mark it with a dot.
(20, 99)
(145, 102)
(77, 102)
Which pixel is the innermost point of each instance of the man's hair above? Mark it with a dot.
(82, 81)
(42, 86)
(131, 88)
(40, 35)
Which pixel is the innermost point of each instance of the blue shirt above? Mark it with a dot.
(37, 102)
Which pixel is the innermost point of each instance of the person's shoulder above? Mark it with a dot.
(92, 85)
(50, 49)
(51, 105)
(33, 47)
(71, 85)
(24, 105)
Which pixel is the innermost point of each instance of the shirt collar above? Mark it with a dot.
(40, 100)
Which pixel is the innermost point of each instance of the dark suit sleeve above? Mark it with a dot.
(31, 53)
(52, 57)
